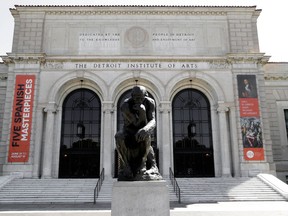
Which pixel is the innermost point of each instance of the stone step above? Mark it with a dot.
(48, 191)
(105, 194)
(226, 189)
(193, 190)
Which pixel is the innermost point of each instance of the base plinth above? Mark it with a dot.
(140, 198)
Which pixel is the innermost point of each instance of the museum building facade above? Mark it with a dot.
(221, 107)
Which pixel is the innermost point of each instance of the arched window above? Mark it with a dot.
(192, 135)
(80, 135)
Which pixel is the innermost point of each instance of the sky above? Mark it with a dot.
(272, 22)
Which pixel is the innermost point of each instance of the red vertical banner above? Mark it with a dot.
(251, 129)
(20, 133)
(249, 107)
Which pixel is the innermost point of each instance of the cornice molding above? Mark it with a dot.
(56, 62)
(25, 58)
(256, 58)
(219, 64)
(135, 9)
(276, 77)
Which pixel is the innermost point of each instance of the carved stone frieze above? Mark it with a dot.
(276, 77)
(219, 65)
(24, 59)
(53, 65)
(7, 60)
(3, 77)
(256, 58)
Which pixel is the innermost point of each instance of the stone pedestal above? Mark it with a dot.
(140, 198)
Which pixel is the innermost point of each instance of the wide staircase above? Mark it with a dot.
(48, 191)
(193, 190)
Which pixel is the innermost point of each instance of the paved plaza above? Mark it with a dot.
(195, 209)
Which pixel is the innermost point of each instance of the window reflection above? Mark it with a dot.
(193, 155)
(80, 135)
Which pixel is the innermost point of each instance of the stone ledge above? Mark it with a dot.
(275, 183)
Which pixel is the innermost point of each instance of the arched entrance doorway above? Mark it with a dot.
(80, 135)
(120, 123)
(192, 135)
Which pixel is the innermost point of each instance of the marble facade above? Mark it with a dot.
(163, 48)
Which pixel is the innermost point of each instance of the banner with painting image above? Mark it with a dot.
(251, 128)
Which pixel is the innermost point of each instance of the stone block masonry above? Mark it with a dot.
(242, 34)
(28, 33)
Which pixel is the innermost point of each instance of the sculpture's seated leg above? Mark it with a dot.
(134, 156)
(125, 172)
(151, 160)
(143, 150)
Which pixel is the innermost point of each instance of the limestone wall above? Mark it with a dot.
(166, 49)
(276, 86)
(3, 86)
(193, 31)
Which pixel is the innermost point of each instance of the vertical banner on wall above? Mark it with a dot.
(20, 133)
(250, 118)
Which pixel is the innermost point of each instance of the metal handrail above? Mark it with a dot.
(98, 185)
(176, 187)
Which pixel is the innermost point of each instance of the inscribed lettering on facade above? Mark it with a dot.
(251, 128)
(20, 134)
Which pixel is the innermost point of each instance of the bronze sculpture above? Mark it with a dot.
(134, 140)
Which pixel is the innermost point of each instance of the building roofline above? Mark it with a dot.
(275, 62)
(156, 9)
(165, 6)
(49, 7)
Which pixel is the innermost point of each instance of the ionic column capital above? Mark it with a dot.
(51, 108)
(108, 107)
(165, 107)
(222, 108)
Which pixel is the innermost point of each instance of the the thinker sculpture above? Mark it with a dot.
(134, 140)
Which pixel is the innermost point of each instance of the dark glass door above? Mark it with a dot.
(80, 135)
(192, 135)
